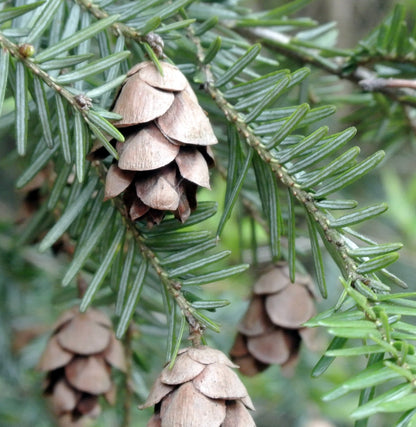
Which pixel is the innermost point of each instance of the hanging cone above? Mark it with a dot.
(78, 360)
(166, 153)
(271, 330)
(200, 390)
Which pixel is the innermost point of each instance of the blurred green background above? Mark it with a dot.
(30, 298)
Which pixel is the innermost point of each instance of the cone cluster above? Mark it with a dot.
(200, 390)
(166, 153)
(271, 329)
(78, 360)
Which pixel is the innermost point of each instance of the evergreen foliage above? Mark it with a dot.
(262, 77)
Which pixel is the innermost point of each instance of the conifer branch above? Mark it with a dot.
(365, 299)
(333, 237)
(118, 27)
(368, 61)
(76, 101)
(281, 43)
(374, 84)
(131, 33)
(366, 310)
(172, 286)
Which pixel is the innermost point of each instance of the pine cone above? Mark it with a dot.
(271, 329)
(78, 360)
(200, 390)
(166, 152)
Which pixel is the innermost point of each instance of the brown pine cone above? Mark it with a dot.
(166, 153)
(200, 390)
(78, 360)
(271, 330)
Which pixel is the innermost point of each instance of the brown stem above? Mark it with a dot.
(75, 101)
(281, 43)
(128, 396)
(118, 27)
(153, 40)
(376, 84)
(172, 286)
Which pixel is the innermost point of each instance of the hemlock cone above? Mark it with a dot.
(78, 360)
(200, 390)
(271, 330)
(166, 153)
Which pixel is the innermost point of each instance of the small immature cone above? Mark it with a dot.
(78, 360)
(166, 153)
(200, 390)
(271, 330)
